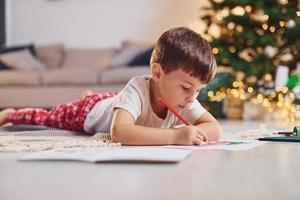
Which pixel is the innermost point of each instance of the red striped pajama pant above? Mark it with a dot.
(70, 116)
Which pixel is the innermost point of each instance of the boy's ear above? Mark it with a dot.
(156, 71)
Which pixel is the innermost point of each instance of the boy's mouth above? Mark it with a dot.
(181, 106)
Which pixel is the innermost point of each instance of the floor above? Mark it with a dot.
(270, 171)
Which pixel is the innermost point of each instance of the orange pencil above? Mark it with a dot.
(174, 111)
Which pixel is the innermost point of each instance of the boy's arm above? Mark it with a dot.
(209, 125)
(124, 130)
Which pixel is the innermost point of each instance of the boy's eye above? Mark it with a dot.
(185, 88)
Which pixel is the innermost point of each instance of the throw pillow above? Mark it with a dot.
(22, 60)
(30, 47)
(142, 58)
(5, 49)
(51, 55)
(126, 55)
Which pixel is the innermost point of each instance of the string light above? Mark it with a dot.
(219, 17)
(268, 77)
(272, 29)
(298, 13)
(215, 50)
(282, 99)
(210, 93)
(239, 28)
(284, 2)
(240, 11)
(266, 17)
(232, 49)
(259, 32)
(265, 26)
(250, 90)
(235, 84)
(248, 8)
(273, 94)
(285, 90)
(230, 26)
(281, 23)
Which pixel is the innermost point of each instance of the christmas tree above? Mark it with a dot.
(254, 37)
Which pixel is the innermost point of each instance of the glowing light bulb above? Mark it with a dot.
(266, 17)
(231, 25)
(272, 29)
(281, 23)
(240, 11)
(215, 50)
(265, 26)
(250, 89)
(248, 8)
(210, 93)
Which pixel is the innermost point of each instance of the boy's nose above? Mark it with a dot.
(190, 98)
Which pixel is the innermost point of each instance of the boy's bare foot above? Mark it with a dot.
(4, 115)
(87, 93)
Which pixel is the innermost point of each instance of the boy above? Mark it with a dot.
(181, 65)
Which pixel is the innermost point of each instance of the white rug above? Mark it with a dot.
(38, 140)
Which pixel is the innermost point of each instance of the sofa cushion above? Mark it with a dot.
(17, 77)
(124, 74)
(22, 60)
(51, 55)
(88, 58)
(70, 76)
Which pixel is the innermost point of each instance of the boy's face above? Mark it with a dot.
(179, 88)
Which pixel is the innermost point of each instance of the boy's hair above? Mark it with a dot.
(182, 48)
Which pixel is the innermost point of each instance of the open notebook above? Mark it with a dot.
(121, 154)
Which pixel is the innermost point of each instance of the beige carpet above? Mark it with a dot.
(21, 139)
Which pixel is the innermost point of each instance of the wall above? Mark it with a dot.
(97, 23)
(2, 23)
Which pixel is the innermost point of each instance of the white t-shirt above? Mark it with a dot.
(135, 98)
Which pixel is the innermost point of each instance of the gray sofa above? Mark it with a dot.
(67, 73)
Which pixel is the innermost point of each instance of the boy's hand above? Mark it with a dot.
(189, 135)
